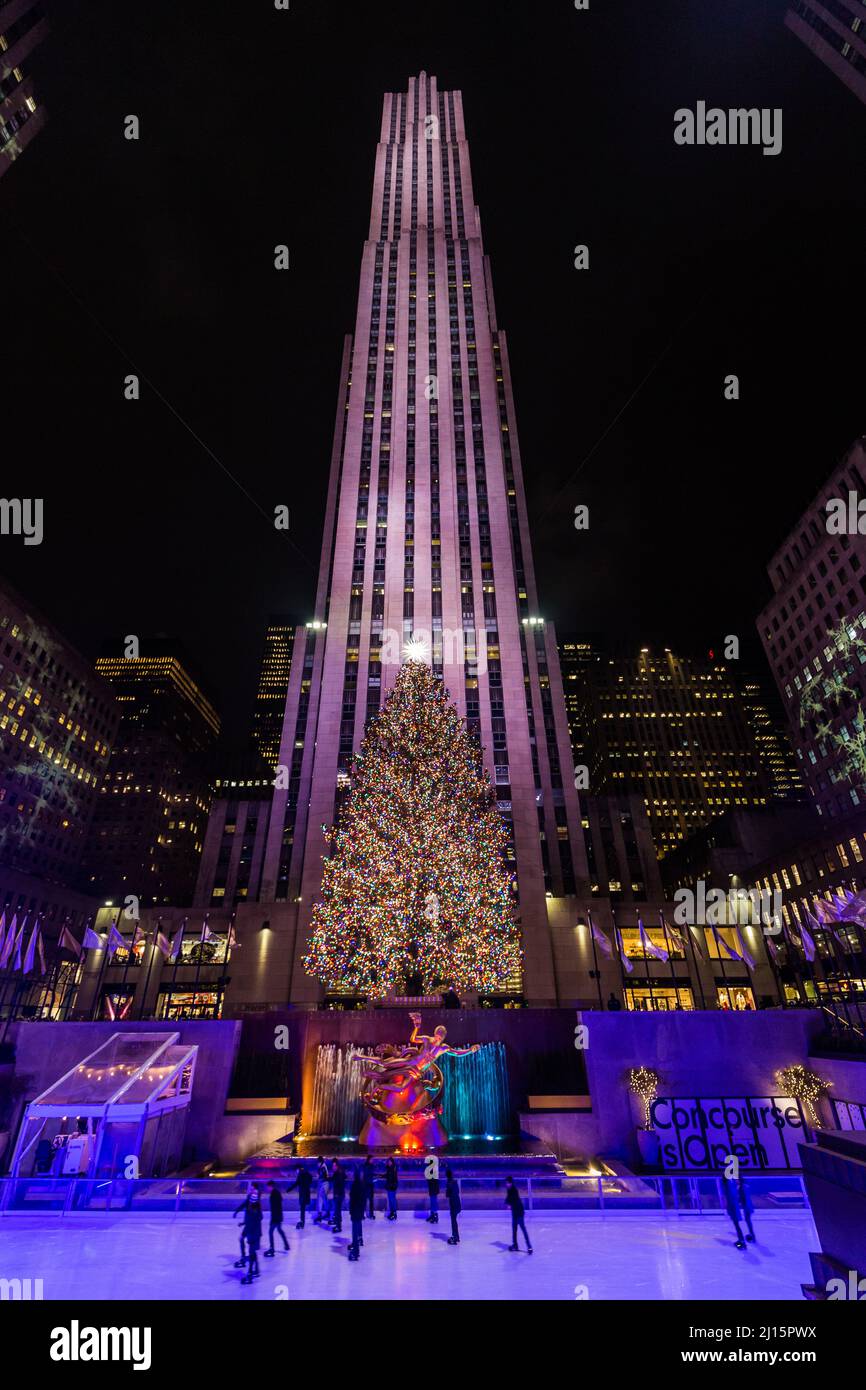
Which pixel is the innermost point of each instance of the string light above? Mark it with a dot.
(644, 1082)
(416, 883)
(805, 1085)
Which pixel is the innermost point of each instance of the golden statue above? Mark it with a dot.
(403, 1091)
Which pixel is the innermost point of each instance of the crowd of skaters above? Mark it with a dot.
(326, 1185)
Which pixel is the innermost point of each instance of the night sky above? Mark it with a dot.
(259, 127)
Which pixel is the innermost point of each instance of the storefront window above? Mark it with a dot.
(659, 998)
(190, 1004)
(736, 997)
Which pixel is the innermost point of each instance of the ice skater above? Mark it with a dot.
(368, 1175)
(738, 1201)
(253, 1233)
(514, 1200)
(452, 1192)
(252, 1188)
(391, 1183)
(322, 1202)
(357, 1208)
(304, 1183)
(433, 1199)
(338, 1195)
(275, 1206)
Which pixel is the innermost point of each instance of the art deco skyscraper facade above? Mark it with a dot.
(426, 538)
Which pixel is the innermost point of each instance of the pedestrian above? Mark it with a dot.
(452, 1192)
(304, 1183)
(357, 1207)
(514, 1200)
(433, 1196)
(275, 1205)
(253, 1186)
(738, 1201)
(368, 1175)
(613, 1003)
(338, 1194)
(391, 1182)
(253, 1233)
(322, 1201)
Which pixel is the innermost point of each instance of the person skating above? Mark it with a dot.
(253, 1233)
(514, 1200)
(322, 1202)
(433, 1197)
(391, 1183)
(275, 1205)
(338, 1195)
(304, 1183)
(368, 1175)
(357, 1208)
(452, 1192)
(738, 1201)
(252, 1188)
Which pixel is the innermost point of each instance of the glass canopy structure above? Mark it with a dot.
(121, 1112)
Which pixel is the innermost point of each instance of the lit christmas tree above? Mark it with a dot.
(416, 887)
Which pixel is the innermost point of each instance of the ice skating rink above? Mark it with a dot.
(576, 1256)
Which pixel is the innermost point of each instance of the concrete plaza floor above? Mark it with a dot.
(577, 1256)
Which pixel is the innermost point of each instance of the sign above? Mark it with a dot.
(699, 1133)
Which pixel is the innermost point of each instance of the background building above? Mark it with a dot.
(273, 688)
(149, 825)
(771, 740)
(22, 28)
(835, 31)
(57, 723)
(675, 733)
(814, 634)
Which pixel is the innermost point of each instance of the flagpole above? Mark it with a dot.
(647, 969)
(618, 944)
(691, 940)
(153, 950)
(594, 956)
(103, 968)
(664, 927)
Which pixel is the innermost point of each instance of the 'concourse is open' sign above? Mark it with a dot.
(700, 1133)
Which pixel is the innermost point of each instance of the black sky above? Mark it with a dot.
(259, 127)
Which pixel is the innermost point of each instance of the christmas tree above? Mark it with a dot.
(416, 889)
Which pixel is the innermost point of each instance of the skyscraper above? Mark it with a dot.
(150, 819)
(427, 542)
(22, 27)
(835, 31)
(675, 732)
(272, 688)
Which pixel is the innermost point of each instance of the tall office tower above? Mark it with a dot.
(575, 654)
(273, 688)
(675, 732)
(149, 824)
(427, 539)
(814, 633)
(57, 721)
(772, 741)
(22, 27)
(835, 31)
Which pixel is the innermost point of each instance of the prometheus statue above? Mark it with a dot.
(403, 1091)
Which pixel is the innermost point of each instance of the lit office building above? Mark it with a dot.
(835, 31)
(23, 26)
(150, 821)
(272, 689)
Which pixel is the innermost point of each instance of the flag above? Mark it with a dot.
(772, 948)
(30, 953)
(231, 939)
(115, 940)
(695, 947)
(647, 944)
(672, 933)
(627, 965)
(2, 932)
(206, 933)
(745, 954)
(722, 944)
(41, 949)
(92, 941)
(19, 938)
(162, 943)
(176, 943)
(67, 942)
(807, 942)
(599, 937)
(10, 942)
(136, 935)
